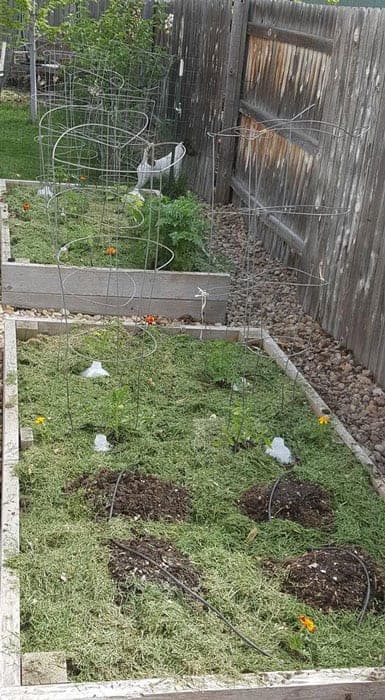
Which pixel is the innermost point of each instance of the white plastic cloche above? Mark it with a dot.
(101, 443)
(95, 370)
(280, 451)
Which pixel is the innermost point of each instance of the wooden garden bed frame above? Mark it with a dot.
(90, 290)
(328, 684)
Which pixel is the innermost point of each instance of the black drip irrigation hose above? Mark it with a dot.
(118, 480)
(366, 600)
(272, 493)
(180, 584)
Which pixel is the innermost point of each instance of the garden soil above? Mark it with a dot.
(134, 495)
(333, 579)
(293, 499)
(130, 566)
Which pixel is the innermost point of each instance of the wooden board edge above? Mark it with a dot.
(27, 327)
(215, 311)
(10, 663)
(331, 684)
(10, 452)
(212, 281)
(5, 242)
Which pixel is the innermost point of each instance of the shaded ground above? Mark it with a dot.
(334, 580)
(128, 563)
(344, 384)
(135, 495)
(293, 499)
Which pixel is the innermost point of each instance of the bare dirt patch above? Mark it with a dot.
(129, 564)
(333, 579)
(133, 495)
(293, 499)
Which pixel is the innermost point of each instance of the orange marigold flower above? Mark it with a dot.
(26, 206)
(83, 178)
(150, 319)
(323, 420)
(110, 250)
(307, 623)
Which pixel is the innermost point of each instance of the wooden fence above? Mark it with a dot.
(200, 40)
(277, 59)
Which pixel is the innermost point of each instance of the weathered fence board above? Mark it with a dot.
(201, 35)
(286, 67)
(351, 174)
(320, 196)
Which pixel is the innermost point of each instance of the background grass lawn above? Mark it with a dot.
(19, 152)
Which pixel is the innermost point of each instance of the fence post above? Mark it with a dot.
(232, 96)
(148, 8)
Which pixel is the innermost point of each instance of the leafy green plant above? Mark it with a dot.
(239, 430)
(180, 225)
(175, 187)
(221, 365)
(75, 204)
(243, 430)
(116, 417)
(225, 365)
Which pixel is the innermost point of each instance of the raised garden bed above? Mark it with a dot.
(92, 580)
(90, 278)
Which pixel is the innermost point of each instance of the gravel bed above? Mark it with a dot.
(270, 291)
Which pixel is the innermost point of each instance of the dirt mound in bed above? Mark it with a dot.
(133, 495)
(293, 499)
(144, 558)
(335, 579)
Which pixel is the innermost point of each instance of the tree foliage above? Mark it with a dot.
(120, 35)
(16, 15)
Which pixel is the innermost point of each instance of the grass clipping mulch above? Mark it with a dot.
(133, 495)
(184, 490)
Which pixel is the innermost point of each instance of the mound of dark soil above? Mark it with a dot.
(136, 495)
(333, 579)
(128, 563)
(293, 499)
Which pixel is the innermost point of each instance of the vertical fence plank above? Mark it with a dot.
(200, 43)
(235, 67)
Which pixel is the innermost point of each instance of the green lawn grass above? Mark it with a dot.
(19, 153)
(68, 597)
